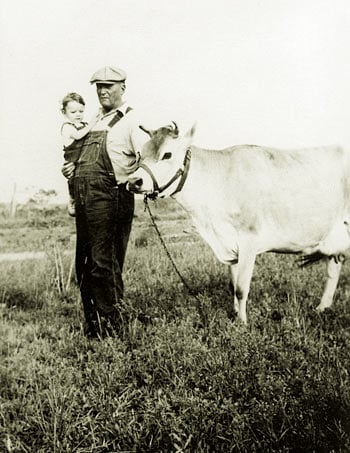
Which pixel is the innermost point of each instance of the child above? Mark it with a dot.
(73, 128)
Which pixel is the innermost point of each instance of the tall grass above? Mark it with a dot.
(185, 377)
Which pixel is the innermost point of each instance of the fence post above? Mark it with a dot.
(13, 205)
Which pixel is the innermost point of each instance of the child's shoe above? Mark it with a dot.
(71, 207)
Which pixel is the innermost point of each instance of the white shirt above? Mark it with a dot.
(124, 141)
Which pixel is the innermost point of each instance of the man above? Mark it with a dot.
(104, 208)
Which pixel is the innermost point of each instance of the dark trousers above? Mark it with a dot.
(71, 187)
(104, 214)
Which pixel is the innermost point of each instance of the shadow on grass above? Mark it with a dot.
(23, 300)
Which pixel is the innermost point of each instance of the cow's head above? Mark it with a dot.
(163, 161)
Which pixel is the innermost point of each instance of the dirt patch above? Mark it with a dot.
(20, 256)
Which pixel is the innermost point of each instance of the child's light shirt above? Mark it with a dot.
(68, 130)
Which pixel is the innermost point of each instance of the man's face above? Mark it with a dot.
(110, 96)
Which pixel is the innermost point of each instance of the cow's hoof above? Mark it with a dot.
(322, 308)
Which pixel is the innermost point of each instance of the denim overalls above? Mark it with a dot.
(104, 213)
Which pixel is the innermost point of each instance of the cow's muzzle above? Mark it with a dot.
(135, 184)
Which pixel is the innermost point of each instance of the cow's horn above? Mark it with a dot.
(175, 128)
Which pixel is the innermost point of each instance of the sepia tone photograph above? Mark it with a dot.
(174, 226)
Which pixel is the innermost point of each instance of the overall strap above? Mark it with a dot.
(107, 161)
(119, 115)
(83, 124)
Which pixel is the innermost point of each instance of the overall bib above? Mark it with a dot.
(104, 213)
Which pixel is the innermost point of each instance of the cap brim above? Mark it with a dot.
(107, 82)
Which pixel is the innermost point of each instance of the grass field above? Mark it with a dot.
(185, 377)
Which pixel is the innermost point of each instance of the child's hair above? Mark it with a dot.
(71, 97)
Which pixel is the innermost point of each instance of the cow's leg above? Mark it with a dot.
(241, 275)
(333, 272)
(233, 271)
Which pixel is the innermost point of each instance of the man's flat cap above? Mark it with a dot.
(108, 74)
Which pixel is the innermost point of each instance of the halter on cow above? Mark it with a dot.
(181, 174)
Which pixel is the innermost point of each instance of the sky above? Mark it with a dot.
(266, 72)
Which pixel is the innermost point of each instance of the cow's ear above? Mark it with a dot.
(149, 132)
(191, 132)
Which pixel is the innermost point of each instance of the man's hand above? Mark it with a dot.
(68, 169)
(134, 164)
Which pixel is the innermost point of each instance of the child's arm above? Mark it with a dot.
(77, 135)
(71, 133)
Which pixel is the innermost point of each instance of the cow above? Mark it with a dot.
(246, 200)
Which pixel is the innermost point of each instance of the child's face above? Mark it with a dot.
(74, 111)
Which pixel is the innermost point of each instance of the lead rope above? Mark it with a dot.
(202, 314)
(145, 199)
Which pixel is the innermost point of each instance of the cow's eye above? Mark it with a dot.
(166, 156)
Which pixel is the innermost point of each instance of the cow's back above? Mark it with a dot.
(288, 198)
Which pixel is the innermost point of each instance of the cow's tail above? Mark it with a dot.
(309, 260)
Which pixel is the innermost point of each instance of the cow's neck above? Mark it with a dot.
(203, 178)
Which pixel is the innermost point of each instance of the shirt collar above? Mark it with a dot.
(121, 109)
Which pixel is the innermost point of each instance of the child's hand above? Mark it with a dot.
(95, 118)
